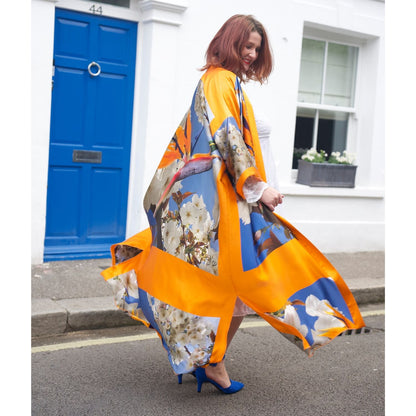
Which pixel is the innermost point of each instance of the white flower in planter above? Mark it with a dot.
(344, 159)
(314, 157)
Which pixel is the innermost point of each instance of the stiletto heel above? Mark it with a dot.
(201, 378)
(180, 377)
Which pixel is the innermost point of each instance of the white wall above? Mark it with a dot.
(153, 115)
(42, 30)
(173, 37)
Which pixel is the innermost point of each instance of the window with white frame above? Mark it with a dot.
(325, 96)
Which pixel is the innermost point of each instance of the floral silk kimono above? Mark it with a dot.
(206, 245)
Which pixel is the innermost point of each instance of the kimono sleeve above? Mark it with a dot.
(224, 101)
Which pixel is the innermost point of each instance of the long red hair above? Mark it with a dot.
(226, 46)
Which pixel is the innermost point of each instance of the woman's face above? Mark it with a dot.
(251, 50)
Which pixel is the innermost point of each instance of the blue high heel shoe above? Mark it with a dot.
(201, 378)
(180, 377)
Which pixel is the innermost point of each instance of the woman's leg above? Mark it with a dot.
(218, 373)
(235, 324)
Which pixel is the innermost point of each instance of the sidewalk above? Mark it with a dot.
(72, 295)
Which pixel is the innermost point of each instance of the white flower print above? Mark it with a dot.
(188, 213)
(199, 357)
(210, 263)
(178, 355)
(326, 320)
(291, 317)
(194, 213)
(198, 202)
(171, 232)
(125, 285)
(201, 104)
(188, 232)
(190, 338)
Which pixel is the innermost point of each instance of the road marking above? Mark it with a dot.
(91, 342)
(143, 337)
(373, 313)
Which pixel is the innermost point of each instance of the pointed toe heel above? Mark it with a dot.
(201, 378)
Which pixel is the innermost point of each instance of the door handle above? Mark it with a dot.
(98, 70)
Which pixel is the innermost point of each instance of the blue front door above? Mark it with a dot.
(90, 135)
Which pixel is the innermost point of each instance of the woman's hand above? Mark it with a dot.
(271, 198)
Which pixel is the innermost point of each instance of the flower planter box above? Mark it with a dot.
(326, 174)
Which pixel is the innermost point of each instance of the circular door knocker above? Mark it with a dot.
(97, 70)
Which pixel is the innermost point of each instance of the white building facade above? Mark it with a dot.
(327, 84)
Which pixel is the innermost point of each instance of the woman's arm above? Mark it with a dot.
(256, 190)
(271, 198)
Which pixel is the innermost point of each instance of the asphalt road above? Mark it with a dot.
(110, 373)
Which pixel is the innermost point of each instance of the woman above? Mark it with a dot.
(214, 246)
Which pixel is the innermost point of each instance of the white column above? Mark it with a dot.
(42, 34)
(154, 122)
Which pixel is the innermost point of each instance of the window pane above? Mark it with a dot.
(311, 71)
(340, 75)
(332, 131)
(305, 119)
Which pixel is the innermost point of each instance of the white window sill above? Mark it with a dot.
(357, 192)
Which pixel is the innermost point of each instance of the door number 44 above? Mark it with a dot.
(96, 10)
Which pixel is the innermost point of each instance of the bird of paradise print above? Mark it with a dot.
(180, 147)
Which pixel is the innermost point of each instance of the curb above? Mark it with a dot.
(56, 317)
(365, 296)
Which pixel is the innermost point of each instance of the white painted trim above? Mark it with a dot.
(357, 192)
(109, 10)
(326, 107)
(164, 21)
(42, 35)
(177, 6)
(318, 31)
(165, 12)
